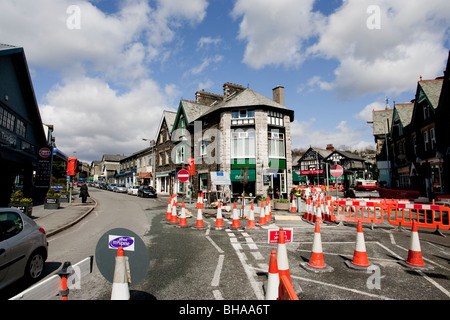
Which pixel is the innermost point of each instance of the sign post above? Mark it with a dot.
(183, 175)
(336, 171)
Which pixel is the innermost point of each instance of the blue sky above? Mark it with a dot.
(104, 70)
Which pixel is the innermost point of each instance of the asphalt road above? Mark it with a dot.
(199, 265)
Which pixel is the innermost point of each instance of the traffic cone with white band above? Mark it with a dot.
(199, 223)
(415, 252)
(174, 216)
(273, 280)
(268, 210)
(122, 277)
(169, 208)
(236, 224)
(251, 219)
(282, 259)
(262, 215)
(360, 260)
(183, 221)
(219, 219)
(316, 262)
(293, 204)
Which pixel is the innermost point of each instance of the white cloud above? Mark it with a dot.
(110, 44)
(109, 51)
(342, 136)
(206, 41)
(275, 30)
(366, 113)
(91, 118)
(205, 64)
(409, 43)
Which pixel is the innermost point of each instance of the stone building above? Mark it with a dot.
(240, 134)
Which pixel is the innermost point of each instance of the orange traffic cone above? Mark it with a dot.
(251, 220)
(282, 259)
(198, 200)
(268, 211)
(219, 220)
(262, 215)
(183, 221)
(360, 260)
(307, 208)
(169, 208)
(199, 224)
(174, 216)
(293, 205)
(122, 277)
(273, 280)
(236, 223)
(316, 262)
(414, 253)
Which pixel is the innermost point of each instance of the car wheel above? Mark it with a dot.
(35, 266)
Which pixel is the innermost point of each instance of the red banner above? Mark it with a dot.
(191, 166)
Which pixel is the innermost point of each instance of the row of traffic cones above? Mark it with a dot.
(172, 217)
(360, 260)
(318, 208)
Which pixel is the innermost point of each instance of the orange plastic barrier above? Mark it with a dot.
(426, 215)
(364, 211)
(286, 290)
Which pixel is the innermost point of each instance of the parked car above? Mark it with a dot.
(133, 190)
(147, 192)
(111, 186)
(120, 188)
(23, 247)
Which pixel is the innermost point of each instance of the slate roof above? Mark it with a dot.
(247, 98)
(432, 90)
(404, 111)
(379, 118)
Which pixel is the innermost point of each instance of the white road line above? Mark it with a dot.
(214, 244)
(255, 284)
(216, 278)
(338, 287)
(217, 295)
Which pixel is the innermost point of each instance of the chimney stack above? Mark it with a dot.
(330, 147)
(278, 95)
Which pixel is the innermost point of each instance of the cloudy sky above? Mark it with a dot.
(104, 70)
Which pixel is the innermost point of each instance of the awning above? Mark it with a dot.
(145, 175)
(238, 175)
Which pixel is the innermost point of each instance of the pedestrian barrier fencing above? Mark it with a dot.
(426, 215)
(67, 278)
(354, 211)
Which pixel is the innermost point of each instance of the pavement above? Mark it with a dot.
(68, 214)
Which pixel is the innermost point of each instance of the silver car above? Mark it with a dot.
(120, 188)
(23, 247)
(133, 190)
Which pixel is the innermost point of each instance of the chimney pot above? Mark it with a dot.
(278, 95)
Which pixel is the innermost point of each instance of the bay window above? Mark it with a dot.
(243, 143)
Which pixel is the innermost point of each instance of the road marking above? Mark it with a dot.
(216, 278)
(255, 284)
(217, 295)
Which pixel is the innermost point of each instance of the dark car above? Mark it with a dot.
(147, 192)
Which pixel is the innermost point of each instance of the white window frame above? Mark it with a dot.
(243, 143)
